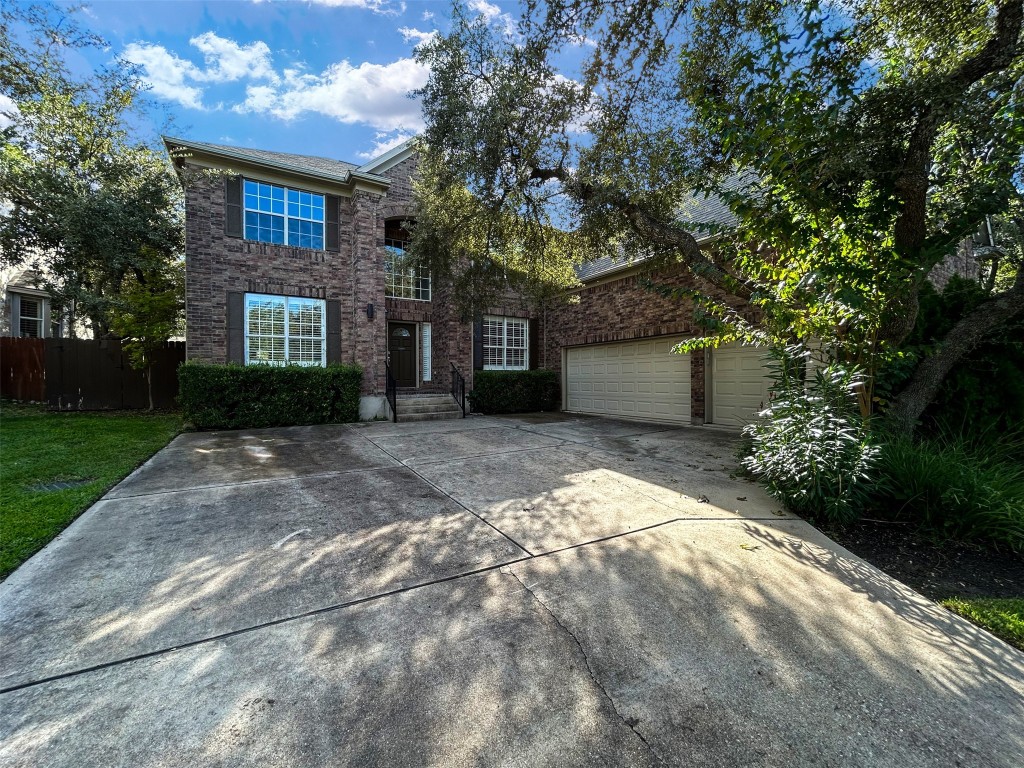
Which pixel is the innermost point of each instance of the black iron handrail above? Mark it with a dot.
(391, 392)
(459, 389)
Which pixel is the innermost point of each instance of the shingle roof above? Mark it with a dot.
(698, 210)
(309, 163)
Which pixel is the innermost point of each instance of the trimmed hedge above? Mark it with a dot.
(515, 391)
(248, 396)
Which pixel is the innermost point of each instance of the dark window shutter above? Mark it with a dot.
(334, 331)
(233, 206)
(532, 328)
(236, 327)
(478, 344)
(331, 205)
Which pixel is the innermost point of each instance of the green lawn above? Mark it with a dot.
(1004, 618)
(38, 447)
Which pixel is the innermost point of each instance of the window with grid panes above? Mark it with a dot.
(275, 214)
(283, 330)
(505, 343)
(402, 281)
(30, 320)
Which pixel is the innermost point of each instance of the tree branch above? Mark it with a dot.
(908, 406)
(653, 229)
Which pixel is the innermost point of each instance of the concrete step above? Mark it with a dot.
(428, 407)
(435, 416)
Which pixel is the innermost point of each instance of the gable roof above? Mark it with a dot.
(307, 165)
(385, 162)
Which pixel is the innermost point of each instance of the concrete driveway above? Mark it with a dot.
(543, 590)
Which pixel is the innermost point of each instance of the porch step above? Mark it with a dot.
(427, 407)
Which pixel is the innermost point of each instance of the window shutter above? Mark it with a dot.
(534, 344)
(478, 344)
(233, 206)
(236, 327)
(331, 229)
(334, 331)
(15, 305)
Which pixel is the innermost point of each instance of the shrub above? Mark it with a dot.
(515, 391)
(955, 487)
(249, 396)
(811, 449)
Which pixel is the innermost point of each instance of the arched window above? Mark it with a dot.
(403, 280)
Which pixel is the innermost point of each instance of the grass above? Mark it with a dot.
(1004, 618)
(39, 447)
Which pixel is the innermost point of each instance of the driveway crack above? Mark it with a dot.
(628, 722)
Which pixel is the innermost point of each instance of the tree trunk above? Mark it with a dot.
(149, 384)
(906, 409)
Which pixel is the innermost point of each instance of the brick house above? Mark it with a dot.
(293, 258)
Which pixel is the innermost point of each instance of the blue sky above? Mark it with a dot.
(321, 77)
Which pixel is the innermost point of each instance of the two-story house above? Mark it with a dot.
(296, 259)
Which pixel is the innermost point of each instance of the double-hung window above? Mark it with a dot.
(505, 343)
(275, 214)
(402, 280)
(285, 329)
(30, 317)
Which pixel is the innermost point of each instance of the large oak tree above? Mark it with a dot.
(857, 143)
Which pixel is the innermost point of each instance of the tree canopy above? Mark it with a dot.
(856, 145)
(84, 202)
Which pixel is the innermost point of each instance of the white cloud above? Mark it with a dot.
(227, 61)
(385, 140)
(166, 73)
(377, 6)
(411, 33)
(9, 111)
(372, 94)
(428, 15)
(492, 14)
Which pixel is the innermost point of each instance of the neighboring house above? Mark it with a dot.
(27, 308)
(291, 258)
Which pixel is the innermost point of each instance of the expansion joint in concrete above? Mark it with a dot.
(628, 722)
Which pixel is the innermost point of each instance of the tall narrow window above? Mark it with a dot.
(505, 343)
(402, 280)
(275, 214)
(30, 321)
(285, 329)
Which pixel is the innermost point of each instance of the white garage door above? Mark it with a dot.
(739, 384)
(636, 379)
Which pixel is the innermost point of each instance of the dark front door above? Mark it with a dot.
(402, 353)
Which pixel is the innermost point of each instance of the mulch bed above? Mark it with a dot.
(935, 569)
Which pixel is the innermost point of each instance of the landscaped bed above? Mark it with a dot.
(976, 581)
(54, 465)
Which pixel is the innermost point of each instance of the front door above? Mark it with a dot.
(402, 353)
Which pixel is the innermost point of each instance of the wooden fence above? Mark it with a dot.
(23, 369)
(87, 374)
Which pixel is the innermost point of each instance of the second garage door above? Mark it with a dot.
(636, 379)
(739, 384)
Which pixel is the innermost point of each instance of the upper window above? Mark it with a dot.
(275, 214)
(285, 329)
(30, 320)
(505, 344)
(403, 280)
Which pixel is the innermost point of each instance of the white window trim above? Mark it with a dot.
(285, 215)
(425, 333)
(285, 299)
(504, 344)
(39, 319)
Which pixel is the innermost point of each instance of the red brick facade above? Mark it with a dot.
(609, 310)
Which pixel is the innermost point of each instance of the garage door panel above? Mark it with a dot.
(739, 384)
(642, 379)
